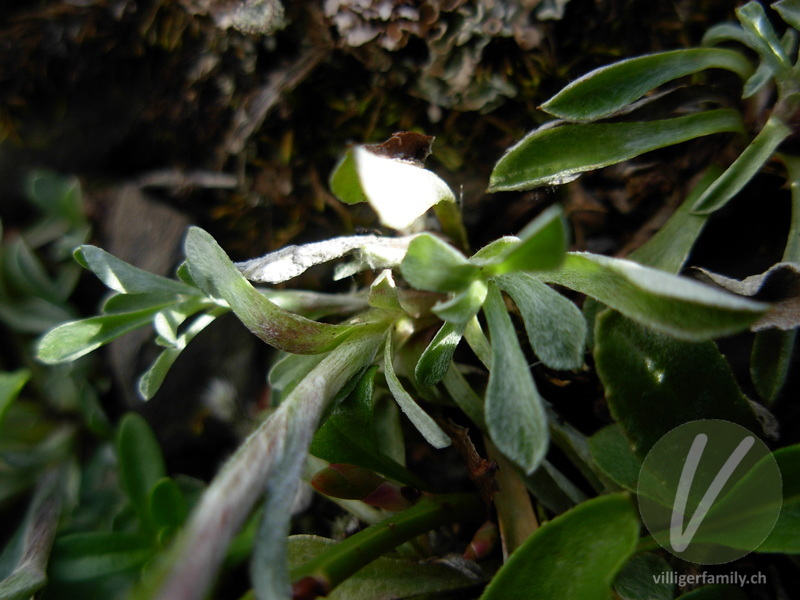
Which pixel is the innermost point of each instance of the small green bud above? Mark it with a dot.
(483, 542)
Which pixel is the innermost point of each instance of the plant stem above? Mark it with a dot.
(330, 568)
(476, 339)
(514, 510)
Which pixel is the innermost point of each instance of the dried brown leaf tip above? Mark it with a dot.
(405, 145)
(780, 286)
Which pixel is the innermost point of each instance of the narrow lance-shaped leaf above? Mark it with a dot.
(88, 556)
(744, 168)
(609, 89)
(436, 358)
(541, 247)
(26, 273)
(789, 10)
(37, 532)
(762, 36)
(72, 340)
(724, 32)
(11, 385)
(275, 452)
(675, 305)
(150, 381)
(141, 464)
(125, 278)
(555, 155)
(218, 277)
(463, 395)
(576, 555)
(555, 326)
(758, 81)
(515, 415)
(669, 248)
(432, 433)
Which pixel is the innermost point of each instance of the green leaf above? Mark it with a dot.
(757, 81)
(770, 360)
(744, 168)
(80, 557)
(435, 266)
(383, 292)
(675, 305)
(383, 578)
(552, 155)
(156, 302)
(11, 385)
(464, 305)
(762, 36)
(25, 273)
(32, 314)
(463, 395)
(542, 245)
(553, 489)
(789, 10)
(344, 181)
(435, 359)
(28, 553)
(491, 251)
(270, 459)
(72, 340)
(785, 536)
(218, 277)
(56, 195)
(723, 33)
(151, 380)
(432, 433)
(653, 383)
(555, 326)
(612, 452)
(168, 505)
(608, 89)
(399, 191)
(638, 579)
(289, 371)
(669, 248)
(303, 411)
(576, 555)
(141, 464)
(125, 278)
(515, 415)
(349, 434)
